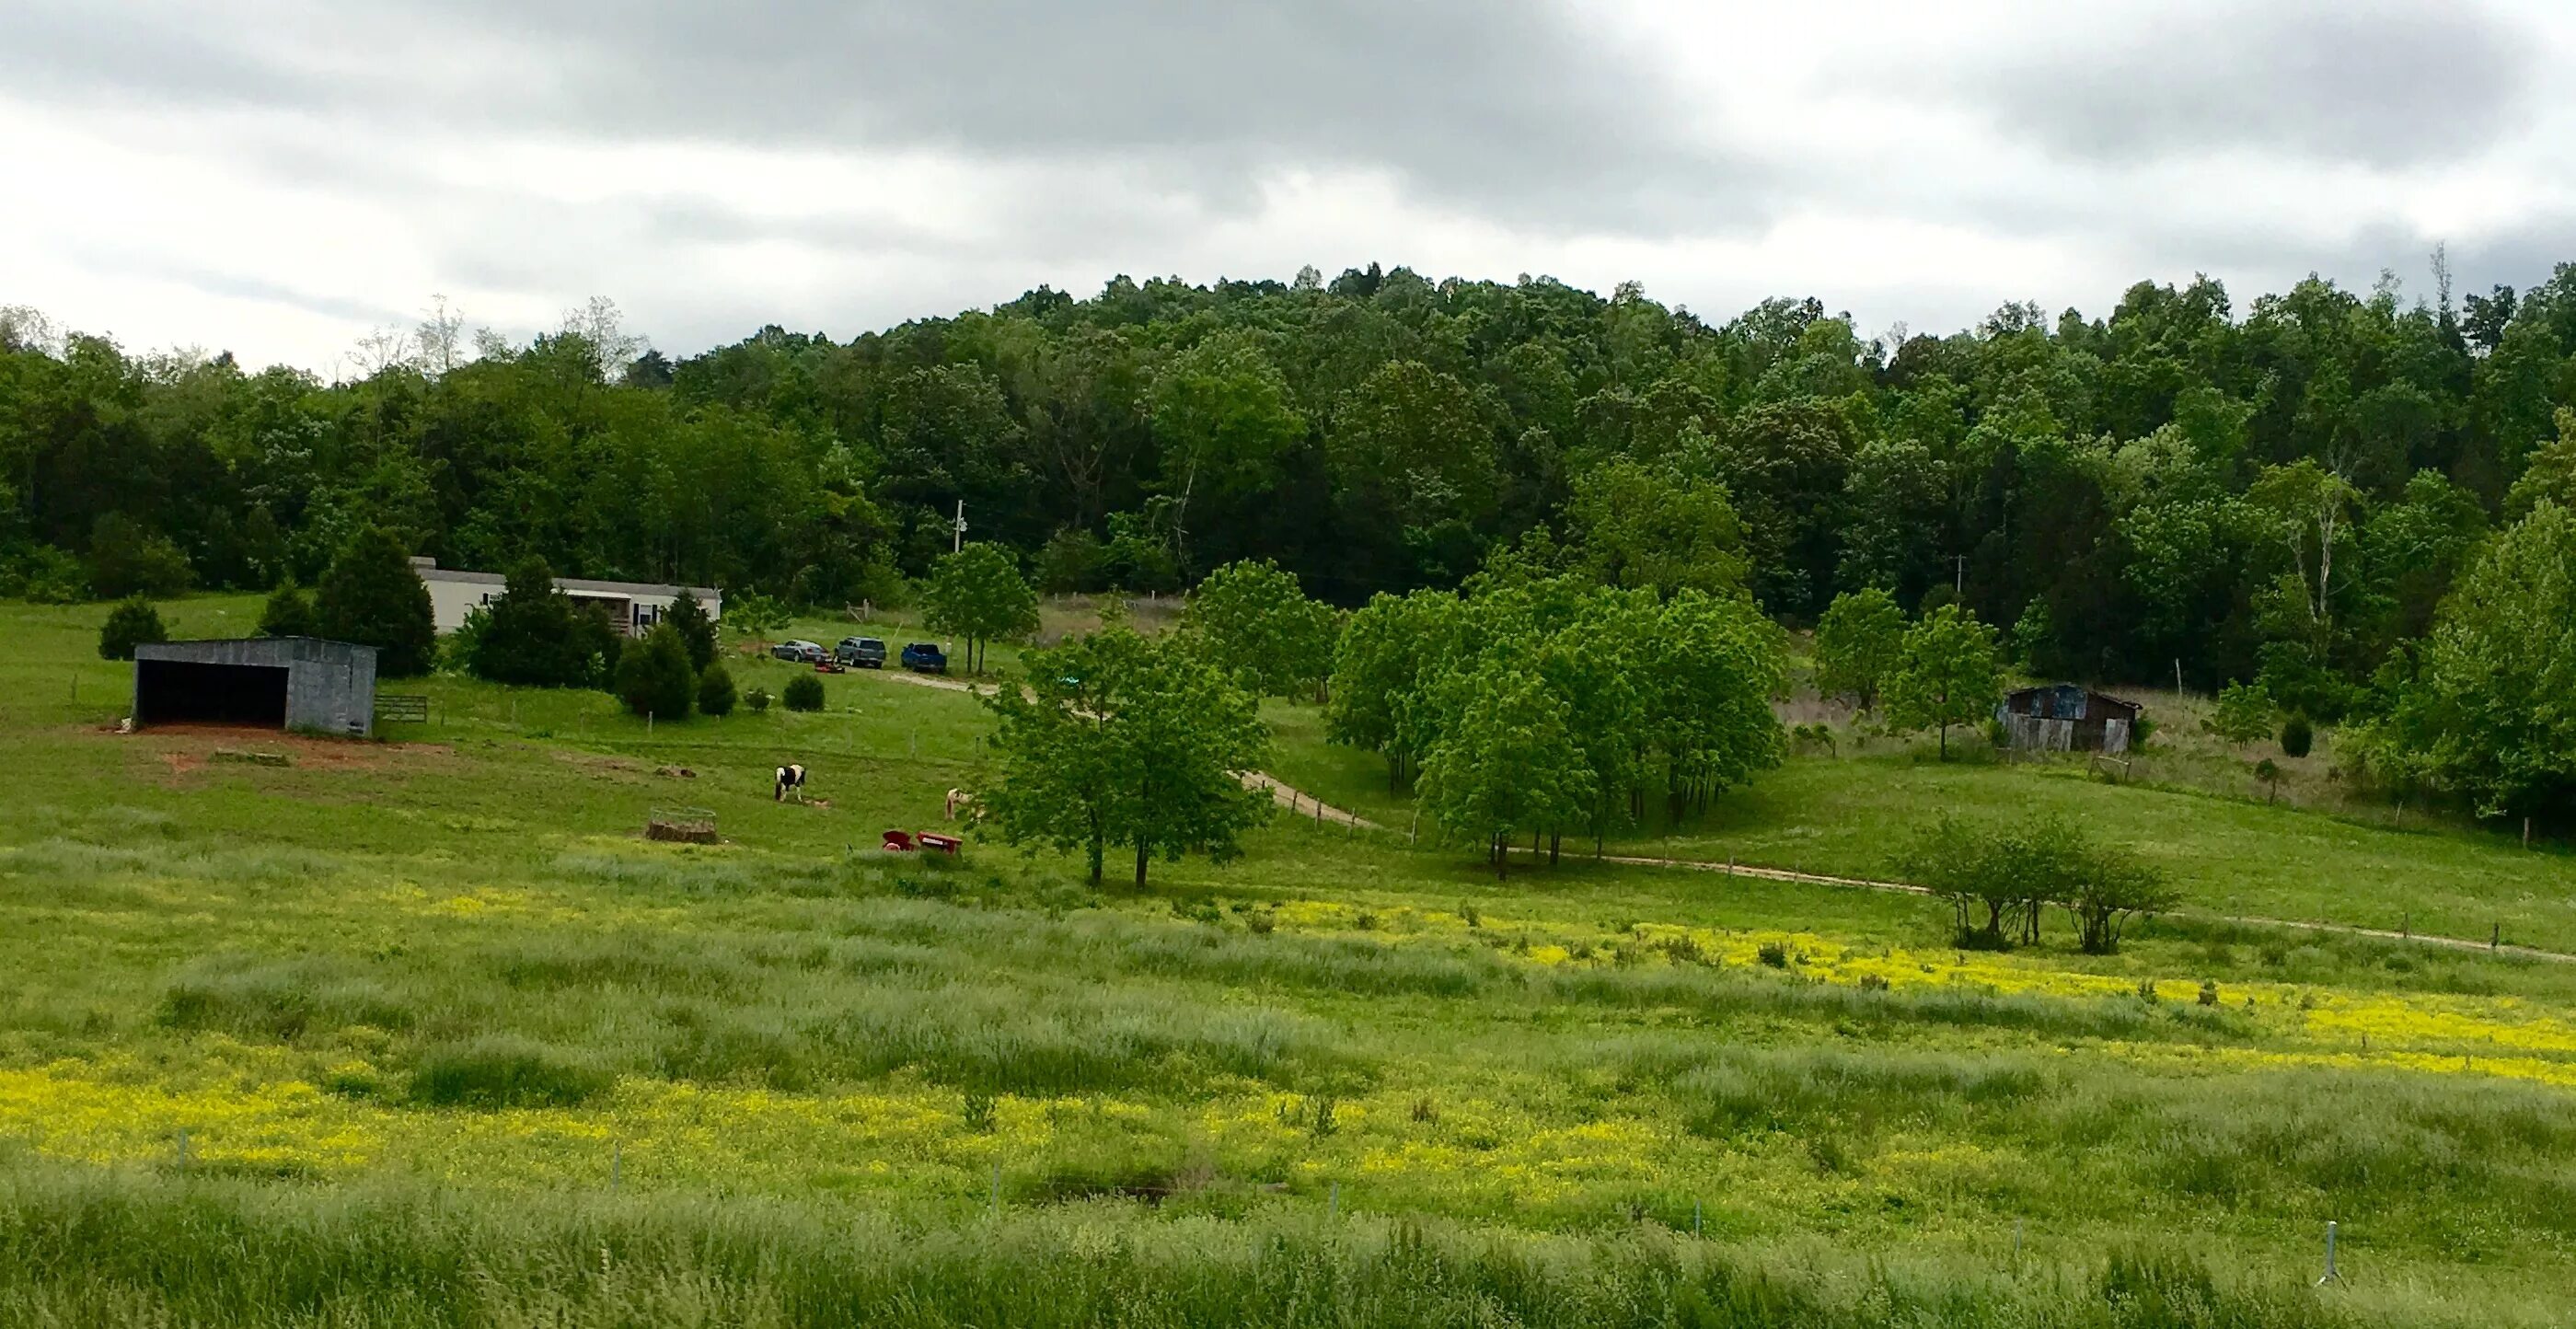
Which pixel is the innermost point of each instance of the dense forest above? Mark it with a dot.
(2175, 487)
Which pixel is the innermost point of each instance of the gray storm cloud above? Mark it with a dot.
(2377, 82)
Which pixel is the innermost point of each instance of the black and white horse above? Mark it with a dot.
(791, 780)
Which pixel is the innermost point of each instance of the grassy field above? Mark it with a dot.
(423, 1032)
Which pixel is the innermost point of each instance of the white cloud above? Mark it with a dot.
(276, 178)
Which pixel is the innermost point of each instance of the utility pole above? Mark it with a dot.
(1959, 586)
(957, 533)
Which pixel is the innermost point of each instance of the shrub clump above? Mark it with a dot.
(504, 1071)
(131, 624)
(758, 699)
(2298, 736)
(288, 613)
(715, 691)
(654, 678)
(804, 693)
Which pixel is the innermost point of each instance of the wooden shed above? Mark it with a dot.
(2066, 717)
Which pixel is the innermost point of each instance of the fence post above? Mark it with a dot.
(2331, 1275)
(2495, 940)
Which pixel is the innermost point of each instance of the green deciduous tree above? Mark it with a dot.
(2488, 713)
(755, 616)
(1860, 640)
(1707, 670)
(1946, 674)
(1117, 739)
(1259, 626)
(2550, 475)
(1509, 764)
(1985, 874)
(1999, 878)
(371, 596)
(134, 622)
(2102, 886)
(1222, 416)
(1389, 654)
(127, 559)
(978, 594)
(2244, 713)
(653, 675)
(1668, 526)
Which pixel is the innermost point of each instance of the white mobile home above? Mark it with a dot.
(632, 606)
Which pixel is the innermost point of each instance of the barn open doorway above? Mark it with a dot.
(180, 691)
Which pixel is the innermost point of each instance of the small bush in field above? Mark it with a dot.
(804, 693)
(715, 691)
(1774, 954)
(757, 699)
(131, 624)
(489, 1074)
(2298, 736)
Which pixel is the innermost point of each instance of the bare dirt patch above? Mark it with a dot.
(621, 769)
(186, 749)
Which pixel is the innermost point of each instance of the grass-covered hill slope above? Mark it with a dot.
(423, 1032)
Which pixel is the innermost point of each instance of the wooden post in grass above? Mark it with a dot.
(2526, 832)
(2331, 1276)
(2495, 940)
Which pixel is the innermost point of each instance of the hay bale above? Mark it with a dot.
(681, 825)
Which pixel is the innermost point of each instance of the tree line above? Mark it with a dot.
(2172, 490)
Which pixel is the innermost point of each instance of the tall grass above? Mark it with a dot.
(92, 1251)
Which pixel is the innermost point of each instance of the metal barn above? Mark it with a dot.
(300, 683)
(2067, 717)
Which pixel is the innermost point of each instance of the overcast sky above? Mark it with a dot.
(276, 177)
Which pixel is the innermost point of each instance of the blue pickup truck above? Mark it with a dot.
(921, 657)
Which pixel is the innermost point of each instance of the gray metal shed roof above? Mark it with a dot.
(269, 651)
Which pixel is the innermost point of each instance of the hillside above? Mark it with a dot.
(425, 1023)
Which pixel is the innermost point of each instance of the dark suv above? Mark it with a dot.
(865, 652)
(923, 658)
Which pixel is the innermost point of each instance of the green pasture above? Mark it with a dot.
(421, 1031)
